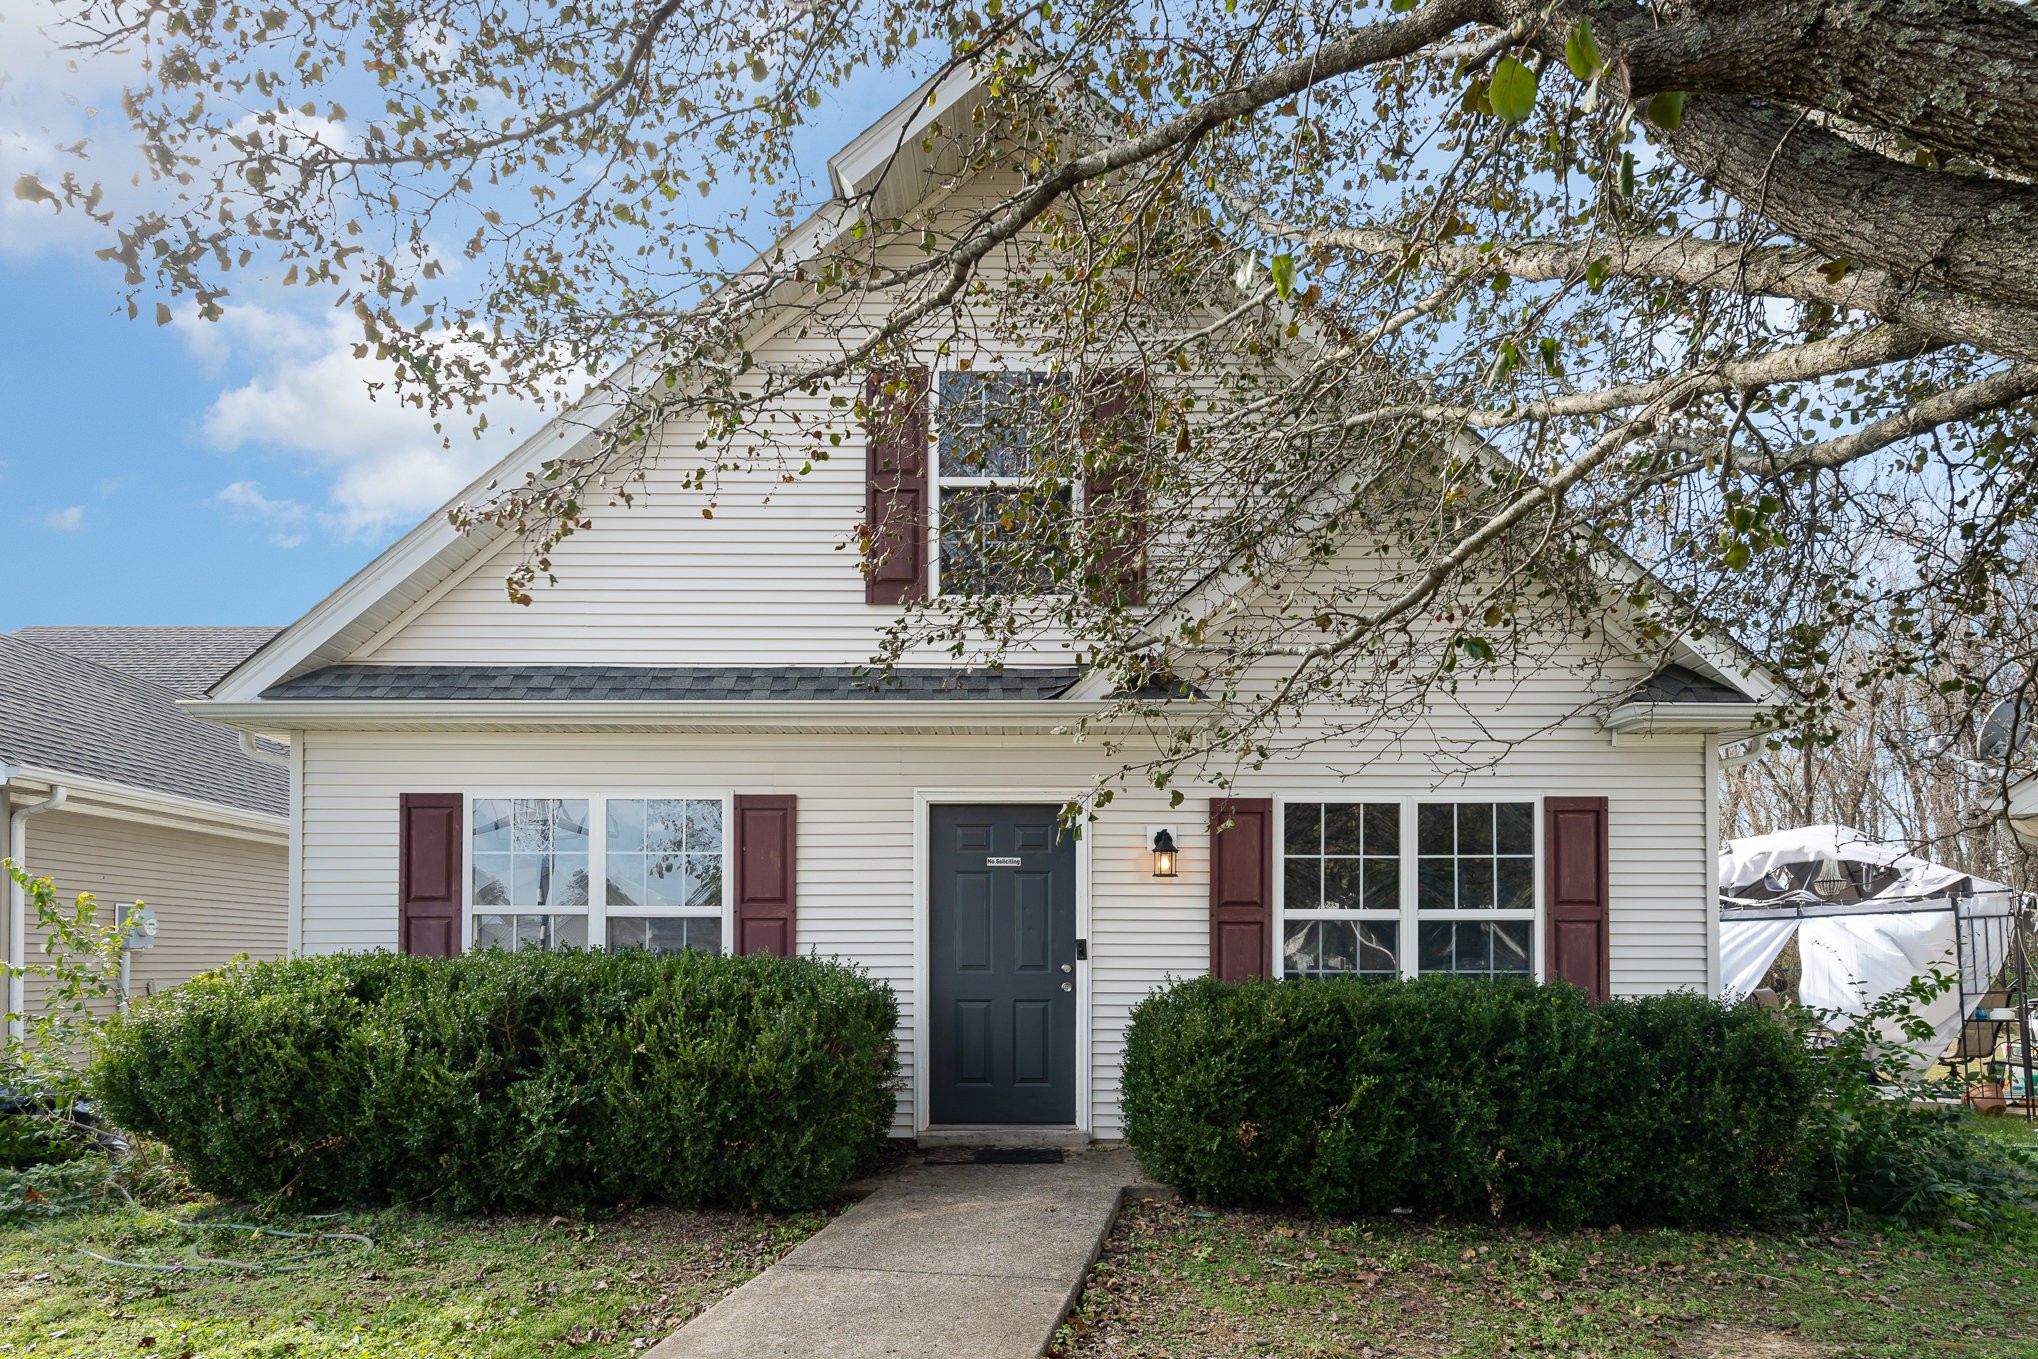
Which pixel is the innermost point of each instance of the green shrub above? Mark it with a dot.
(1471, 1098)
(1878, 1147)
(511, 1080)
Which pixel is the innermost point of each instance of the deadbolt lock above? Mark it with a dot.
(1068, 967)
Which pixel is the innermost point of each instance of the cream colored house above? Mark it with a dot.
(672, 748)
(111, 788)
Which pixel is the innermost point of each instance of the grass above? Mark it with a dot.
(426, 1286)
(1180, 1282)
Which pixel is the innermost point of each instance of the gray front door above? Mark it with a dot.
(1001, 943)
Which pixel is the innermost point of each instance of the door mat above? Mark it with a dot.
(1017, 1156)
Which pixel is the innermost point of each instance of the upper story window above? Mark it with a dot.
(1350, 907)
(659, 862)
(1001, 526)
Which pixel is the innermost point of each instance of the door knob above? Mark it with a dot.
(1068, 986)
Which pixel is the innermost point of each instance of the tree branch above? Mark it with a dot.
(1769, 271)
(1799, 363)
(1955, 403)
(640, 52)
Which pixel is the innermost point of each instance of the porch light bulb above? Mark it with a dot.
(1163, 854)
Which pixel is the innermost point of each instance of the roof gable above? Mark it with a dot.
(435, 598)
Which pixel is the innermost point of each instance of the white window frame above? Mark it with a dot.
(1410, 917)
(937, 484)
(597, 859)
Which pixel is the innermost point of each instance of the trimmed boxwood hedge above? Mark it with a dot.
(1471, 1098)
(511, 1080)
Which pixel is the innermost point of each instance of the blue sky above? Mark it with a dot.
(233, 472)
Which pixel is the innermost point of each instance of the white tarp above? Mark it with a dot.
(1747, 948)
(1855, 953)
(1747, 862)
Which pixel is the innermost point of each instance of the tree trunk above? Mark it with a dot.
(1973, 235)
(1960, 76)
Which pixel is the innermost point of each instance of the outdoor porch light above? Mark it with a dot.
(1163, 853)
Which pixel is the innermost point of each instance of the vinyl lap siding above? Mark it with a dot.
(214, 895)
(856, 839)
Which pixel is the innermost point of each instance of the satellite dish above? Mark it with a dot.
(2007, 725)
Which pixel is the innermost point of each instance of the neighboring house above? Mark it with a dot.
(2023, 811)
(673, 747)
(107, 786)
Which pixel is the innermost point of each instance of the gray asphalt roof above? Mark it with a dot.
(1677, 684)
(690, 682)
(189, 660)
(64, 713)
(695, 683)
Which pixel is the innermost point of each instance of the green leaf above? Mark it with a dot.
(1581, 51)
(1666, 110)
(1512, 91)
(1627, 174)
(1402, 6)
(1284, 275)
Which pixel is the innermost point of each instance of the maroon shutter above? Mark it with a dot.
(765, 917)
(1241, 887)
(428, 874)
(895, 486)
(1114, 490)
(1575, 897)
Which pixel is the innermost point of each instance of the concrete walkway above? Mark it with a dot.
(943, 1261)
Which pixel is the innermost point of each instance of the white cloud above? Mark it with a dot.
(245, 498)
(310, 399)
(70, 519)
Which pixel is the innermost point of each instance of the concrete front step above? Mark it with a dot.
(1002, 1136)
(939, 1262)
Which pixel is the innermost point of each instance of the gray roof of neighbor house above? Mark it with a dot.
(1676, 684)
(189, 660)
(69, 715)
(693, 683)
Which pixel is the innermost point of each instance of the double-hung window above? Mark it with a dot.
(535, 863)
(1002, 521)
(1410, 886)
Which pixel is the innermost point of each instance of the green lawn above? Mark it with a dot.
(1183, 1282)
(427, 1286)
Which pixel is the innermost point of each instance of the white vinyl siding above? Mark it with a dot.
(857, 839)
(214, 895)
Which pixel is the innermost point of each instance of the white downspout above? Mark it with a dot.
(17, 906)
(259, 755)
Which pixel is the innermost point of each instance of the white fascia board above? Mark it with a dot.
(1043, 716)
(858, 166)
(1681, 719)
(122, 801)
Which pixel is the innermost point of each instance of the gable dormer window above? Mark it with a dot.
(1001, 523)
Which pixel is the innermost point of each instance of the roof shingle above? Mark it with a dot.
(1677, 684)
(189, 660)
(66, 714)
(670, 682)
